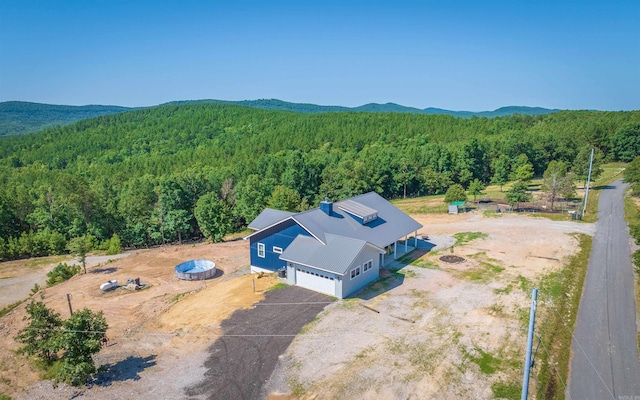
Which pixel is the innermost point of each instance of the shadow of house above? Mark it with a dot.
(124, 370)
(390, 277)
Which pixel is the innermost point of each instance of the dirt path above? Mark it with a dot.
(17, 278)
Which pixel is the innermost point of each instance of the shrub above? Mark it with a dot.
(455, 193)
(61, 273)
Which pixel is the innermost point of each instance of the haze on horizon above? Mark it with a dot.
(460, 56)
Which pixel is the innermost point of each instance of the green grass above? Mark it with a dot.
(488, 363)
(427, 264)
(4, 397)
(506, 390)
(466, 237)
(561, 292)
(632, 216)
(36, 262)
(311, 325)
(278, 286)
(297, 388)
(485, 272)
(179, 296)
(6, 310)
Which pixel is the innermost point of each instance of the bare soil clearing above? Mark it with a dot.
(435, 319)
(443, 330)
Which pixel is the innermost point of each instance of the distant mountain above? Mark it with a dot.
(275, 104)
(19, 117)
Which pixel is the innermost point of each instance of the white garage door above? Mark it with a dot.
(318, 282)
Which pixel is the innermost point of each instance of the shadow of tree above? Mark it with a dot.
(109, 270)
(124, 370)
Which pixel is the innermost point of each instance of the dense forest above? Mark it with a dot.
(176, 172)
(19, 117)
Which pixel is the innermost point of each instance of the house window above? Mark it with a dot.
(367, 266)
(355, 272)
(277, 249)
(261, 250)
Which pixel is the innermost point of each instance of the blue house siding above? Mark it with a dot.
(350, 286)
(280, 235)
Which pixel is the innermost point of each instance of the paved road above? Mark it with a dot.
(605, 352)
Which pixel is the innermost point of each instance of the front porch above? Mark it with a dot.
(398, 249)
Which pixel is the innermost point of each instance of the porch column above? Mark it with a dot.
(382, 263)
(415, 239)
(406, 239)
(395, 247)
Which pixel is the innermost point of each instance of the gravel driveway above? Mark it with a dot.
(242, 360)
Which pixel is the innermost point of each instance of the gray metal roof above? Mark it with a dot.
(336, 256)
(355, 208)
(391, 224)
(268, 217)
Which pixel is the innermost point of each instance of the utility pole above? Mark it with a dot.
(586, 195)
(527, 362)
(69, 301)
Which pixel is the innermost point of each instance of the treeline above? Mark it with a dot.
(177, 172)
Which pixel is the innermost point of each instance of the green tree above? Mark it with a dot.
(455, 193)
(556, 180)
(434, 182)
(81, 339)
(518, 193)
(625, 142)
(476, 188)
(632, 175)
(79, 247)
(252, 196)
(41, 337)
(522, 169)
(115, 246)
(214, 217)
(500, 167)
(284, 199)
(580, 165)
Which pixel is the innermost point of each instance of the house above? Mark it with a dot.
(335, 249)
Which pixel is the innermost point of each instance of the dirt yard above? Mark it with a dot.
(441, 331)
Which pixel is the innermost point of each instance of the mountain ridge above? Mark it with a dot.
(20, 117)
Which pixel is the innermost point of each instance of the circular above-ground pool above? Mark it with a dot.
(196, 270)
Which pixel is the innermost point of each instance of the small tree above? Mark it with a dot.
(556, 180)
(61, 273)
(518, 193)
(500, 167)
(82, 337)
(41, 338)
(80, 246)
(455, 193)
(115, 246)
(476, 188)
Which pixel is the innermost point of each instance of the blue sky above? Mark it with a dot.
(460, 55)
